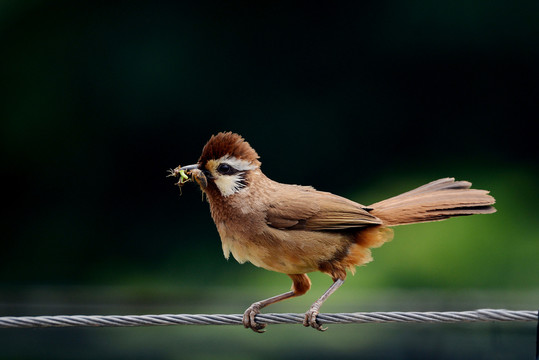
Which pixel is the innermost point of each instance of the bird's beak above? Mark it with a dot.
(189, 167)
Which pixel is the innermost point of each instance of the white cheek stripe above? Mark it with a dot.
(229, 184)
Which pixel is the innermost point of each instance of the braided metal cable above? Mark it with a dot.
(285, 318)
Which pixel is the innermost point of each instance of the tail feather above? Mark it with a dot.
(438, 200)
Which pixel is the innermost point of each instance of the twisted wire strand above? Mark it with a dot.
(274, 318)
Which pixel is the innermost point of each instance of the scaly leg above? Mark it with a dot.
(310, 316)
(301, 284)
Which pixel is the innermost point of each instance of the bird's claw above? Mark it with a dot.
(249, 319)
(310, 320)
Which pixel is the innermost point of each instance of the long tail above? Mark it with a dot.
(438, 200)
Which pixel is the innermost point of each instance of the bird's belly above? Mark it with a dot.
(289, 252)
(267, 257)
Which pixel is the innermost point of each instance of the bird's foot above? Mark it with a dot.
(249, 318)
(310, 319)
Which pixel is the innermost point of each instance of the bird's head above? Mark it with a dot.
(225, 166)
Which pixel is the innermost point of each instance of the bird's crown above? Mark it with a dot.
(229, 144)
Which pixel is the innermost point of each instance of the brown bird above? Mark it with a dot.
(296, 229)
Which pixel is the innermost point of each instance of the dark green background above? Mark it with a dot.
(364, 99)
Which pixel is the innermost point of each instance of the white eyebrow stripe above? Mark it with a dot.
(238, 164)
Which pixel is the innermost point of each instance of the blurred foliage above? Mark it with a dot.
(99, 99)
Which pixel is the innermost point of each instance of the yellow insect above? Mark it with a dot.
(189, 175)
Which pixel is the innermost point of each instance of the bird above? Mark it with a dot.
(296, 230)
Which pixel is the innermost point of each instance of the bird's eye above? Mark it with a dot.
(226, 169)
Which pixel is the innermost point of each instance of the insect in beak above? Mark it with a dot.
(188, 173)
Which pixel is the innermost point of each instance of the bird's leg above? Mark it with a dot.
(310, 315)
(301, 284)
(249, 315)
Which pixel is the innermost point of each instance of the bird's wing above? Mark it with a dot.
(299, 207)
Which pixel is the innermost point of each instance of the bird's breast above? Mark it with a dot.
(245, 246)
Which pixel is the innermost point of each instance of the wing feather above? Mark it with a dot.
(301, 207)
